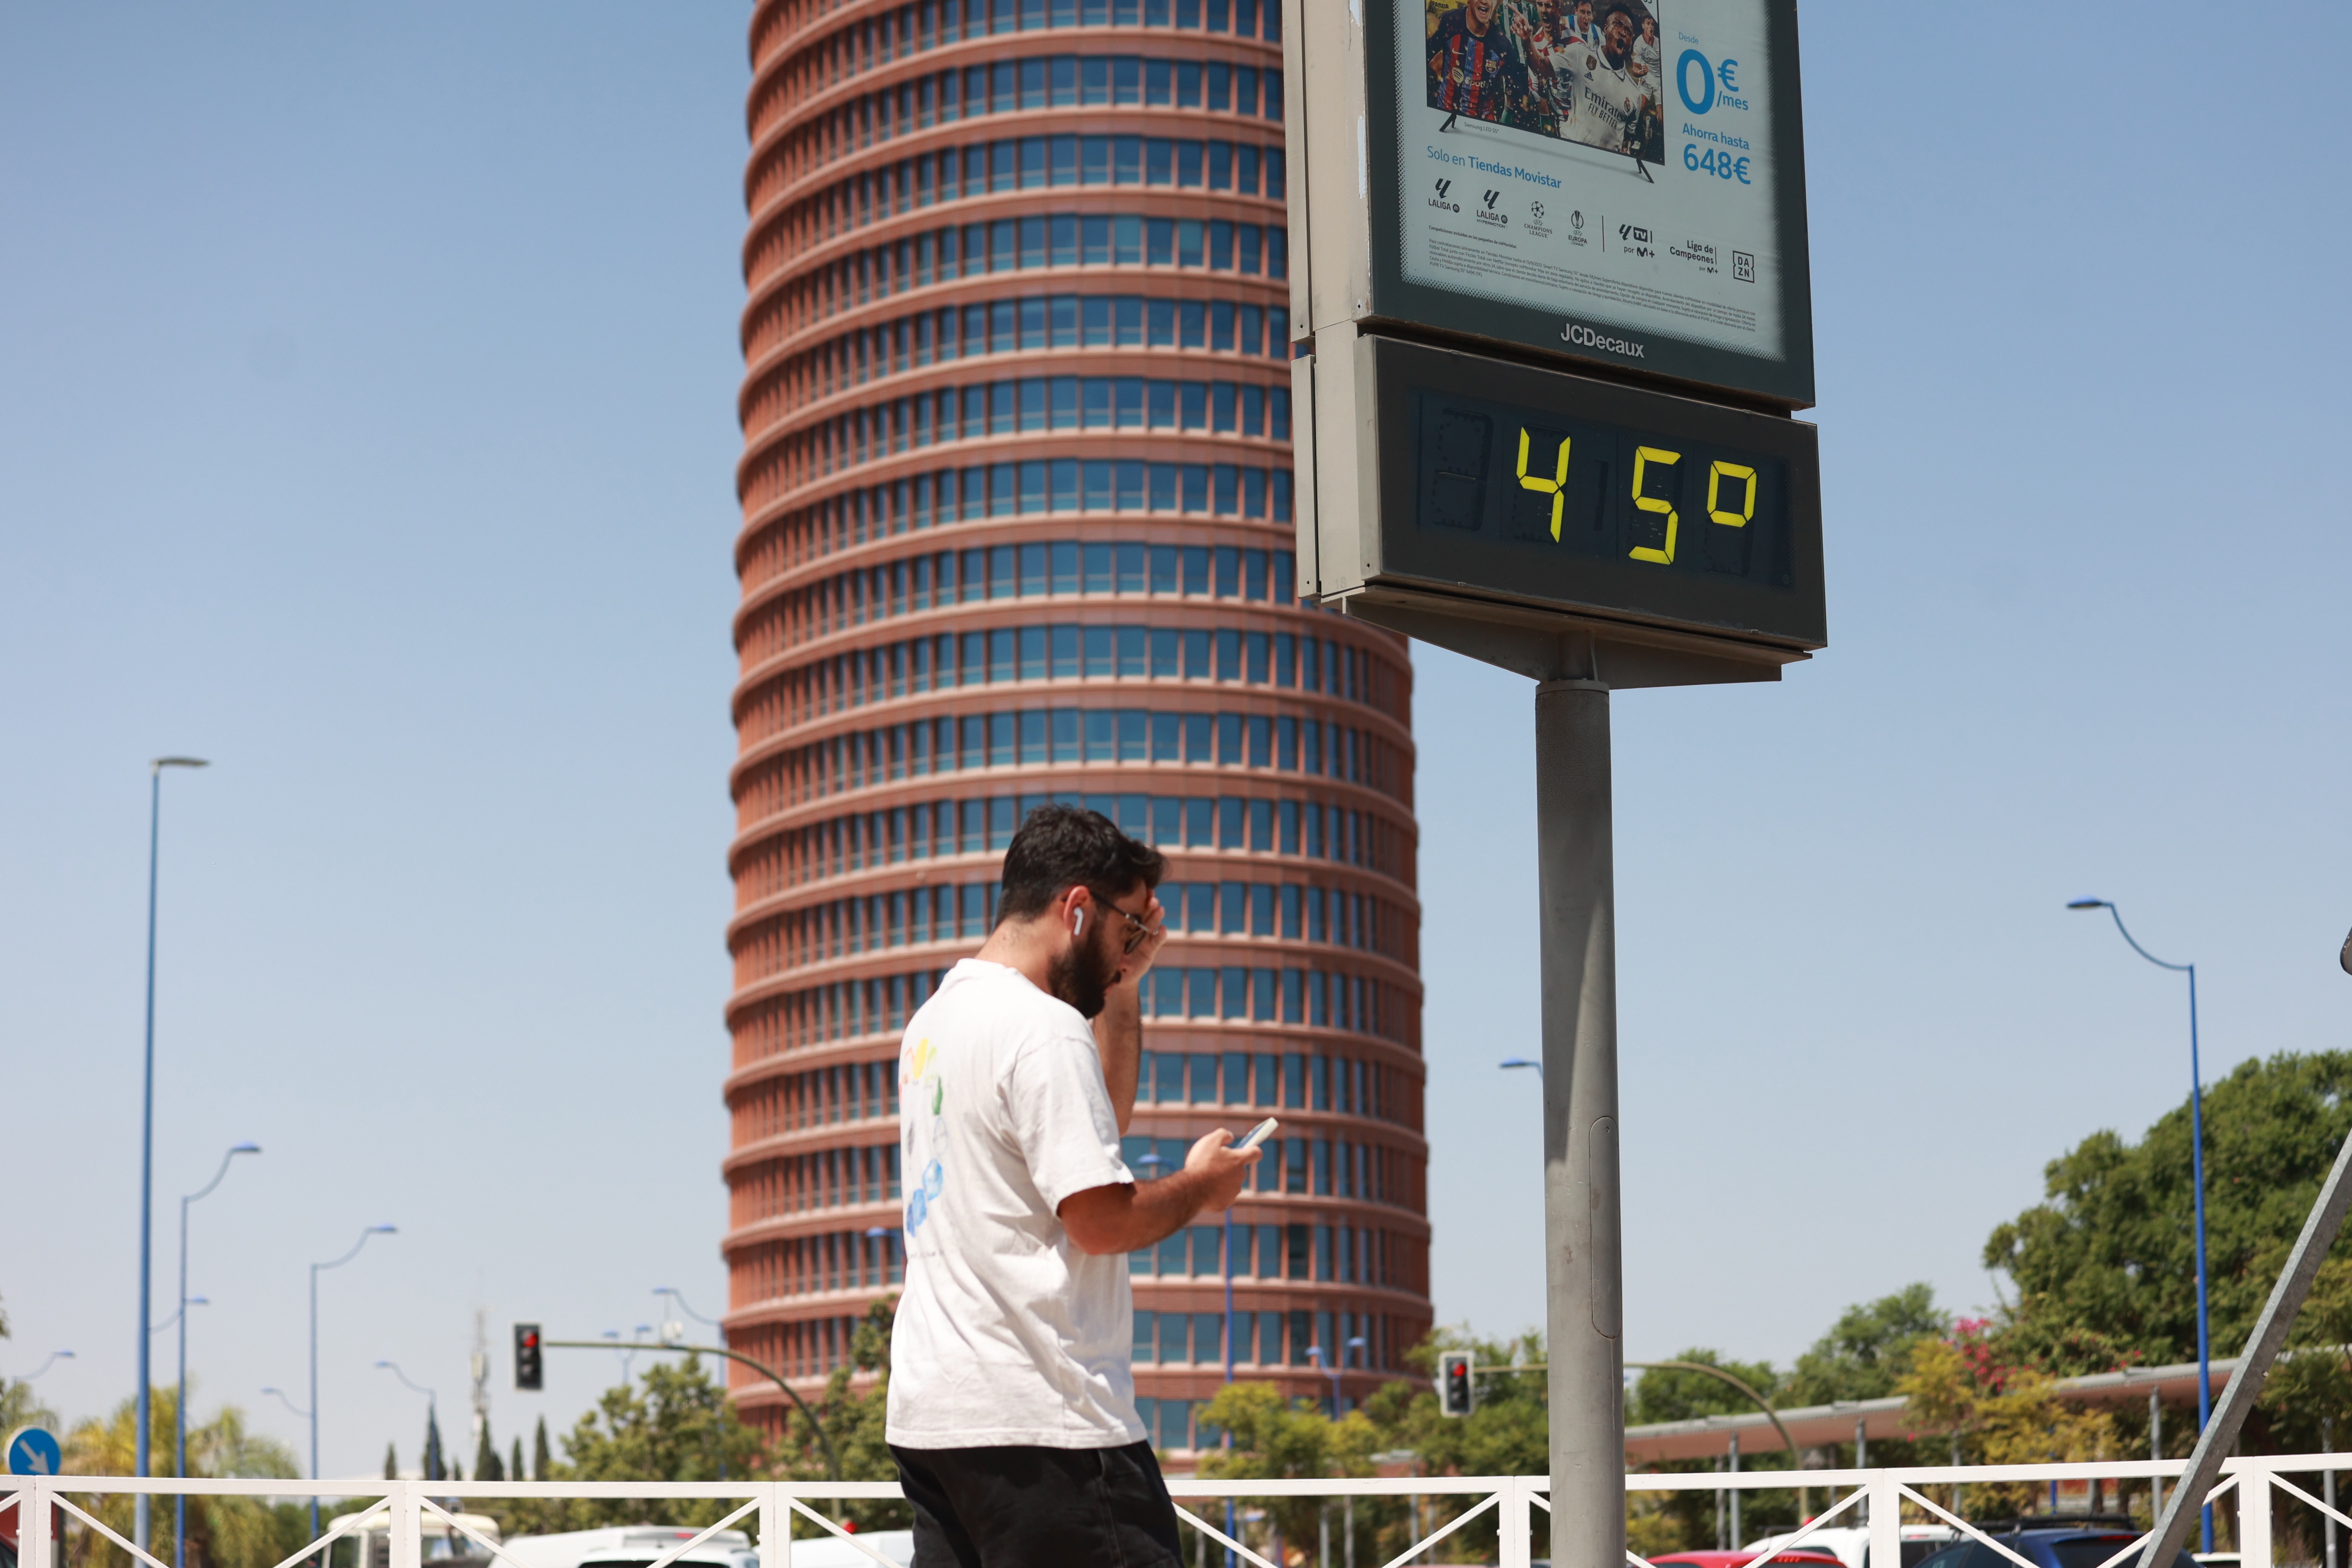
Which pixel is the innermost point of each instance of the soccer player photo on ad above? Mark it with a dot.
(1586, 71)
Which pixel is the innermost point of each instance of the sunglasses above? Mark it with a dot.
(1137, 932)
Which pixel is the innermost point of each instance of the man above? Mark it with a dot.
(1545, 45)
(1472, 67)
(1012, 1411)
(1611, 94)
(1649, 70)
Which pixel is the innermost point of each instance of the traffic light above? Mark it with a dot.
(530, 1375)
(1454, 1396)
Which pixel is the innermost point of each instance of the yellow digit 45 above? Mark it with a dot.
(1556, 486)
(1642, 457)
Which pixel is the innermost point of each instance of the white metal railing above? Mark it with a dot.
(1880, 1498)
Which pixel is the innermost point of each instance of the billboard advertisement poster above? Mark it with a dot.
(1617, 180)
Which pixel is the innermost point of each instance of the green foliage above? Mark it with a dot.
(855, 1419)
(223, 1531)
(1663, 1393)
(673, 1425)
(1867, 1351)
(1276, 1438)
(2106, 1266)
(488, 1466)
(541, 1466)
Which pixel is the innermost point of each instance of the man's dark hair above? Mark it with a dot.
(1060, 847)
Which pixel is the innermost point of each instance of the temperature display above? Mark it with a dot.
(1530, 478)
(1511, 483)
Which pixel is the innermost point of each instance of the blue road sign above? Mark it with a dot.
(34, 1451)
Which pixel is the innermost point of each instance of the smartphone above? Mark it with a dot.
(1259, 1134)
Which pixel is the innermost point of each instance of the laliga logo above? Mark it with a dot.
(1439, 201)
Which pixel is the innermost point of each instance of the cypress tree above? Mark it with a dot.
(433, 1468)
(487, 1467)
(514, 1463)
(391, 1464)
(538, 1460)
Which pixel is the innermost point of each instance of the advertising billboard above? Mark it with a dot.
(1620, 181)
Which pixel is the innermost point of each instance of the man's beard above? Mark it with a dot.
(1082, 978)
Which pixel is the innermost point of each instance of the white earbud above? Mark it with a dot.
(1079, 926)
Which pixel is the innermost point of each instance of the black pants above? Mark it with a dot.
(1039, 1507)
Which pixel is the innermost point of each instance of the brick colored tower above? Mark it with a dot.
(1016, 526)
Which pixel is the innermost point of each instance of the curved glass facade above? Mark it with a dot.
(1016, 496)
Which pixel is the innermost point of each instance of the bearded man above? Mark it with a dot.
(1012, 1411)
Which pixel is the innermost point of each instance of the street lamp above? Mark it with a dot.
(2196, 1170)
(139, 1529)
(312, 1412)
(432, 1403)
(55, 1356)
(180, 1404)
(290, 1404)
(1315, 1351)
(1522, 1062)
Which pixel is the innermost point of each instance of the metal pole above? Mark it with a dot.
(1583, 1265)
(2197, 1174)
(180, 1403)
(140, 1533)
(1230, 1559)
(2155, 1451)
(314, 1395)
(2327, 1486)
(1862, 1459)
(1734, 1545)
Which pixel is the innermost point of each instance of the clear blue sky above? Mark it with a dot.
(366, 386)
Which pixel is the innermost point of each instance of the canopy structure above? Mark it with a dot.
(1819, 1425)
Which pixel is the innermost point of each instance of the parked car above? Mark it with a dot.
(1801, 1558)
(2049, 1545)
(1850, 1543)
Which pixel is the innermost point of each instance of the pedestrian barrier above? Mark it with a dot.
(1881, 1499)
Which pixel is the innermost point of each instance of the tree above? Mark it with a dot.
(1996, 1409)
(541, 1466)
(514, 1462)
(488, 1466)
(391, 1464)
(223, 1531)
(856, 1421)
(674, 1424)
(2106, 1267)
(1868, 1350)
(1279, 1438)
(19, 1406)
(433, 1468)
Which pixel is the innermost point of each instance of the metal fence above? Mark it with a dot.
(1881, 1499)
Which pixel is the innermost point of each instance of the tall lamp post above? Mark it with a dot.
(2196, 1171)
(314, 1412)
(180, 1403)
(140, 1531)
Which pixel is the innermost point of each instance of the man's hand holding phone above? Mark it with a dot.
(1222, 1163)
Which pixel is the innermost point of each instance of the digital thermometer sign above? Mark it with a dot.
(1508, 484)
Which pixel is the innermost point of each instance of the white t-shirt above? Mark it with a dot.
(1607, 100)
(1651, 57)
(1007, 1333)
